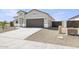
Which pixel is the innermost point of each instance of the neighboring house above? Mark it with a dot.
(75, 18)
(73, 22)
(33, 18)
(71, 26)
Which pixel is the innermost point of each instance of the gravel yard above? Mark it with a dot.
(52, 37)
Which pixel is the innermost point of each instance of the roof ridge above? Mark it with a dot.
(21, 11)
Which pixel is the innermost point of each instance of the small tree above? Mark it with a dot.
(3, 24)
(11, 24)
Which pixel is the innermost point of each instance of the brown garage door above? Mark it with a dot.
(35, 22)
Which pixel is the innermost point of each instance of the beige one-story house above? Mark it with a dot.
(33, 18)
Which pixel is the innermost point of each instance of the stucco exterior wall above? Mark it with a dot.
(20, 18)
(50, 19)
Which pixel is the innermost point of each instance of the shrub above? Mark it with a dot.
(11, 24)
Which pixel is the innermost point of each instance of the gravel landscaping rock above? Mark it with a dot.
(53, 37)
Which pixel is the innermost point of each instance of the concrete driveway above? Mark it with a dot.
(20, 33)
(15, 40)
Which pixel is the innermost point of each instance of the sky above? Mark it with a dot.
(57, 14)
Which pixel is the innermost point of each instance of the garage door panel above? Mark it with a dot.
(35, 22)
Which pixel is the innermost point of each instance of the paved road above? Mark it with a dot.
(15, 39)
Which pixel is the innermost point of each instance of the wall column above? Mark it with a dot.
(18, 22)
(24, 23)
(64, 25)
(46, 23)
